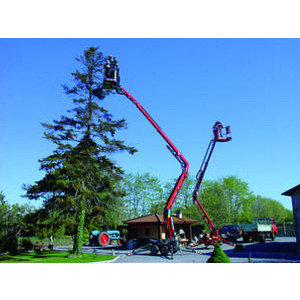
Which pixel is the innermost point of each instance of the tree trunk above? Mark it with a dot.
(77, 246)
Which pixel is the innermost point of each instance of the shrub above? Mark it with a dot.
(218, 255)
(8, 244)
(26, 244)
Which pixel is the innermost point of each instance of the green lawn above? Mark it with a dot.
(53, 257)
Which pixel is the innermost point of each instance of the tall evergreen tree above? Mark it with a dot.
(79, 173)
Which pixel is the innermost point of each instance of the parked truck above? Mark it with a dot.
(259, 230)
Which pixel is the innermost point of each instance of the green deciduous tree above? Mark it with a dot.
(79, 174)
(239, 197)
(144, 195)
(227, 200)
(265, 207)
(12, 223)
(212, 197)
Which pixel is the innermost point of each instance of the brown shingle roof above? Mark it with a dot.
(158, 218)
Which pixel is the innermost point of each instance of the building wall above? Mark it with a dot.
(152, 231)
(144, 231)
(296, 209)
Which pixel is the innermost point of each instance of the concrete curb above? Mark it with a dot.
(108, 261)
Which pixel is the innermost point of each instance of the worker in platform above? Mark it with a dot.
(107, 69)
(115, 70)
(111, 74)
(114, 65)
(217, 129)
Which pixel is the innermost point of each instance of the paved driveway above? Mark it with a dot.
(282, 250)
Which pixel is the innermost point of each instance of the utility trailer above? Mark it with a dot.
(160, 246)
(259, 230)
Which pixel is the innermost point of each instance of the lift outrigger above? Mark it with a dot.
(220, 134)
(112, 81)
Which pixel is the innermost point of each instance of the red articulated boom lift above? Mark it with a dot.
(112, 81)
(221, 134)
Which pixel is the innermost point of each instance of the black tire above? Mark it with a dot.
(164, 250)
(175, 249)
(154, 249)
(262, 238)
(273, 236)
(246, 238)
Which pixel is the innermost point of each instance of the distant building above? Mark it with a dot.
(154, 227)
(295, 194)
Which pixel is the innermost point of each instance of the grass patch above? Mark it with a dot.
(54, 257)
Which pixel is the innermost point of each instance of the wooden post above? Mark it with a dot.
(160, 231)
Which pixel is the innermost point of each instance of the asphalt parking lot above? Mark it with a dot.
(282, 250)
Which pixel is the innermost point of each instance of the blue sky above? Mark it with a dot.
(185, 84)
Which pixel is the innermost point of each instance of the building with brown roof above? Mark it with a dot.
(154, 227)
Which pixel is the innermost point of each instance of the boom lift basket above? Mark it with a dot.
(222, 133)
(111, 74)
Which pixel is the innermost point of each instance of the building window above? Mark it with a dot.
(147, 231)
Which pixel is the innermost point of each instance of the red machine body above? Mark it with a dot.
(112, 81)
(221, 134)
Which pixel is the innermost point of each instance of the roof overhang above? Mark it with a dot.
(291, 191)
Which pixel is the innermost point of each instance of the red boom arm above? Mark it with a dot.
(112, 81)
(183, 162)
